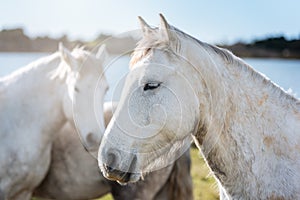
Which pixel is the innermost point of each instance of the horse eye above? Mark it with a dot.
(151, 86)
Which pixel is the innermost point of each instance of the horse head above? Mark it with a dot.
(86, 88)
(157, 112)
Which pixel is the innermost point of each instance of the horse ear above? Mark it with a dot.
(102, 54)
(67, 56)
(144, 26)
(165, 28)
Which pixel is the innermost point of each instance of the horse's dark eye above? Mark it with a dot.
(151, 86)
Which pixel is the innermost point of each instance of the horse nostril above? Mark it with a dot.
(91, 139)
(111, 160)
(109, 169)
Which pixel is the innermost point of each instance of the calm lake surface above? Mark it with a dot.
(285, 73)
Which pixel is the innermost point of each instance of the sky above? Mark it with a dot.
(213, 21)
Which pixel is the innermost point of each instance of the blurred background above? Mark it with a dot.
(264, 33)
(250, 29)
(217, 22)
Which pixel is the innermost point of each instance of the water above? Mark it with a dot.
(285, 73)
(12, 61)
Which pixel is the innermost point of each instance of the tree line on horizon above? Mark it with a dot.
(15, 40)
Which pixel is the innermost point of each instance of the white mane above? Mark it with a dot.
(262, 98)
(52, 59)
(64, 68)
(155, 41)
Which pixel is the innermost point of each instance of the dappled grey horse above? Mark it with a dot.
(247, 128)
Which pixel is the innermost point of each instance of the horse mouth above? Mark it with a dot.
(116, 175)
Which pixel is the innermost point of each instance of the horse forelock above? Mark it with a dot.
(80, 54)
(154, 40)
(61, 71)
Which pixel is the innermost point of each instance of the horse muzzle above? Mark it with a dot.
(118, 166)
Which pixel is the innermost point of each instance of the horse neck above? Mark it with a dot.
(32, 96)
(244, 120)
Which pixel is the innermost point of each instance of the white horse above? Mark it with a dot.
(247, 128)
(74, 174)
(36, 101)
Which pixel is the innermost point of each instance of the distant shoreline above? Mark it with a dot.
(274, 47)
(15, 41)
(38, 52)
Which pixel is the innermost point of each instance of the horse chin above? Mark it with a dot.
(121, 177)
(133, 178)
(122, 183)
(125, 178)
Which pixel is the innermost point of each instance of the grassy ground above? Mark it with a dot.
(205, 187)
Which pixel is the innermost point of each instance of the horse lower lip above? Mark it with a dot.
(117, 175)
(121, 178)
(122, 183)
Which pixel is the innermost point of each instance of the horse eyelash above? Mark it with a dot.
(151, 86)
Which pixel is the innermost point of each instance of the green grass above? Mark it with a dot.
(106, 197)
(205, 187)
